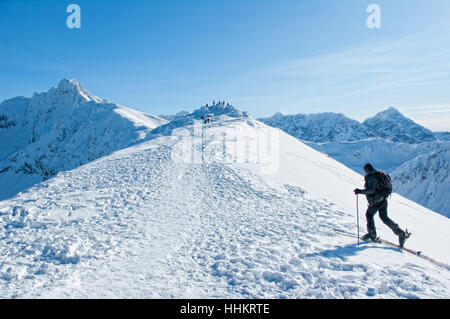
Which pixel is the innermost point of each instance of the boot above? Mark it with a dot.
(371, 236)
(402, 237)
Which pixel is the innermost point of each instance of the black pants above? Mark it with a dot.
(382, 209)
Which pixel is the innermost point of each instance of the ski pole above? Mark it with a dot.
(357, 217)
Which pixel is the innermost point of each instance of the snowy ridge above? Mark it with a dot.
(142, 223)
(424, 178)
(60, 130)
(215, 114)
(319, 128)
(140, 119)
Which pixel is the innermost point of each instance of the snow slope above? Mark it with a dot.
(425, 178)
(145, 222)
(59, 130)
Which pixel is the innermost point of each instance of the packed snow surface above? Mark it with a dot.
(144, 222)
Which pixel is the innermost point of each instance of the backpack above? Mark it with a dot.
(384, 182)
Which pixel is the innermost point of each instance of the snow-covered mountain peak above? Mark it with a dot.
(61, 129)
(75, 91)
(66, 84)
(392, 125)
(391, 114)
(391, 111)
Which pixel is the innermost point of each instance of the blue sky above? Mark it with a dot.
(262, 56)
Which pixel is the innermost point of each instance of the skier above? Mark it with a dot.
(377, 203)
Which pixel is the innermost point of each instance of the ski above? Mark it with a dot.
(386, 242)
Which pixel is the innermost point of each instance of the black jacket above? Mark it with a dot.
(372, 189)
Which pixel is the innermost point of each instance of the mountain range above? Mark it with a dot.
(321, 127)
(68, 126)
(151, 221)
(390, 125)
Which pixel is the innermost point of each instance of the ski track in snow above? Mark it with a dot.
(148, 227)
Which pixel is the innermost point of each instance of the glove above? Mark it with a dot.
(358, 191)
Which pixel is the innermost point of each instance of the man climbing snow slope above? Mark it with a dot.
(377, 193)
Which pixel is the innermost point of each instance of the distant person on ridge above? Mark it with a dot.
(377, 198)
